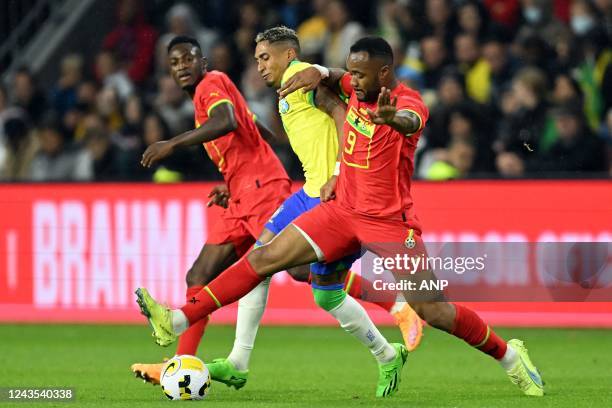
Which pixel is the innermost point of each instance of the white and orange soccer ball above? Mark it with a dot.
(185, 378)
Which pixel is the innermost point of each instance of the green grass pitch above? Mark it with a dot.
(306, 367)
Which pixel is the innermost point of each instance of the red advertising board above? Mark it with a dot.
(76, 252)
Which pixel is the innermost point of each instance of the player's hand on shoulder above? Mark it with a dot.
(306, 79)
(156, 152)
(385, 109)
(328, 191)
(219, 195)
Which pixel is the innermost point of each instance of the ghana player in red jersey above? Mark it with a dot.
(255, 178)
(372, 205)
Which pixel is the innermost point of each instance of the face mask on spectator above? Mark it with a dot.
(533, 15)
(581, 24)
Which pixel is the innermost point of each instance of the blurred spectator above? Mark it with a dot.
(181, 19)
(109, 107)
(105, 156)
(184, 164)
(435, 58)
(133, 113)
(411, 77)
(393, 21)
(452, 163)
(292, 12)
(524, 126)
(64, 93)
(174, 106)
(440, 20)
(86, 95)
(504, 12)
(466, 124)
(605, 133)
(127, 139)
(475, 69)
(249, 25)
(566, 89)
(472, 18)
(7, 111)
(225, 59)
(595, 74)
(312, 32)
(533, 51)
(502, 67)
(132, 40)
(451, 93)
(583, 17)
(539, 19)
(57, 159)
(342, 34)
(491, 71)
(604, 11)
(260, 98)
(110, 76)
(577, 149)
(17, 149)
(28, 96)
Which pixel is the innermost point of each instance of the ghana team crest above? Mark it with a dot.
(410, 242)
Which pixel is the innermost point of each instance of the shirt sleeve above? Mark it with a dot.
(414, 104)
(214, 95)
(345, 87)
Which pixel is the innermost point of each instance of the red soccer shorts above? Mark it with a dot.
(244, 219)
(335, 232)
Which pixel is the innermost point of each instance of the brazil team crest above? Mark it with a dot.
(283, 106)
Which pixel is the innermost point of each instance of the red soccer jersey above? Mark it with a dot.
(244, 159)
(377, 160)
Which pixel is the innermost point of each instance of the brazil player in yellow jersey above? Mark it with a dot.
(312, 121)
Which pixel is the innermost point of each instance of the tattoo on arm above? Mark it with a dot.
(406, 122)
(330, 103)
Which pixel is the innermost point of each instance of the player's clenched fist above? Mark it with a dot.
(328, 191)
(219, 196)
(156, 152)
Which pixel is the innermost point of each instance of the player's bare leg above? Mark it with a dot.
(211, 261)
(467, 325)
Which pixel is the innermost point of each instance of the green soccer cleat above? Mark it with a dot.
(159, 316)
(524, 373)
(222, 370)
(390, 374)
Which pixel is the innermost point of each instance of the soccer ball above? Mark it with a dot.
(185, 378)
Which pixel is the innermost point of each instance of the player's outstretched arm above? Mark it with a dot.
(221, 121)
(404, 121)
(308, 79)
(268, 135)
(330, 103)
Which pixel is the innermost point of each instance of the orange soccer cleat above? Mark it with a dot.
(148, 372)
(410, 324)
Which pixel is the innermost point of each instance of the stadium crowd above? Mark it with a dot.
(515, 88)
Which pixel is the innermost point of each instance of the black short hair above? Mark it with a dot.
(279, 34)
(183, 39)
(376, 47)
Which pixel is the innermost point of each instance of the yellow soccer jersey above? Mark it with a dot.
(312, 133)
